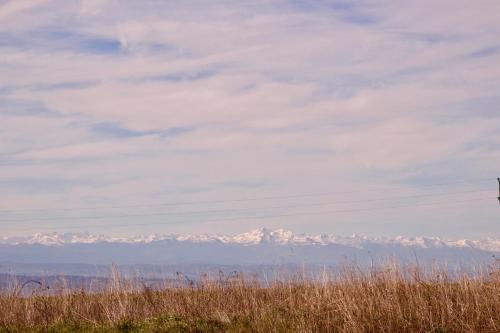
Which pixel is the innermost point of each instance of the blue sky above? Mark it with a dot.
(110, 111)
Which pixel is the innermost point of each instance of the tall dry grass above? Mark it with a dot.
(386, 300)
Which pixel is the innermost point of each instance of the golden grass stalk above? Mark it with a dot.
(388, 299)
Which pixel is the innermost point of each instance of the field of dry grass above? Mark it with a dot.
(388, 300)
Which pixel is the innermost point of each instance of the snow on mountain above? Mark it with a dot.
(257, 247)
(255, 237)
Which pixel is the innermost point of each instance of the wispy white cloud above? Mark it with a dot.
(10, 8)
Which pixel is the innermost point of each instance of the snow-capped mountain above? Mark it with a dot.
(251, 249)
(255, 237)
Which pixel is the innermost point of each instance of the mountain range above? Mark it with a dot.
(257, 247)
(255, 237)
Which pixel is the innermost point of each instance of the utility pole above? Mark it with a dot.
(498, 190)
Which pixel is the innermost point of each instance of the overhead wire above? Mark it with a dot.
(229, 219)
(272, 215)
(382, 189)
(237, 210)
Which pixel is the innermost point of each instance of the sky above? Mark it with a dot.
(137, 117)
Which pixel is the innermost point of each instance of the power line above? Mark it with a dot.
(271, 216)
(267, 216)
(240, 200)
(238, 209)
